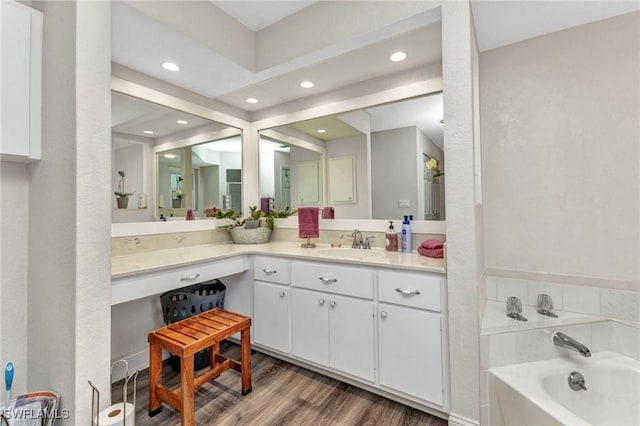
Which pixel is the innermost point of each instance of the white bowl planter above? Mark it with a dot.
(250, 236)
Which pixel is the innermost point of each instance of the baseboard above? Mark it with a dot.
(457, 420)
(137, 361)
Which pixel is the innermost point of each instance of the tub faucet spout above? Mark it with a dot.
(564, 341)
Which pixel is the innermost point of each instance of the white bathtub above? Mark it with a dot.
(537, 393)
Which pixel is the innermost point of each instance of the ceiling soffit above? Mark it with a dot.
(146, 34)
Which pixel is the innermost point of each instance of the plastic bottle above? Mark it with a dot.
(391, 238)
(406, 235)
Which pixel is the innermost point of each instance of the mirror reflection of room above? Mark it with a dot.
(382, 162)
(175, 161)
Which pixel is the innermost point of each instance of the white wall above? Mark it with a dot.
(464, 230)
(69, 246)
(131, 159)
(354, 146)
(14, 268)
(561, 152)
(394, 176)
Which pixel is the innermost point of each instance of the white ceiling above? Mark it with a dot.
(142, 43)
(499, 23)
(256, 15)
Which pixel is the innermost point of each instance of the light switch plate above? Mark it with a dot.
(404, 203)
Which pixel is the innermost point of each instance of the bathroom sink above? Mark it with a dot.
(349, 253)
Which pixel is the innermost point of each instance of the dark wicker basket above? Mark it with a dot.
(188, 301)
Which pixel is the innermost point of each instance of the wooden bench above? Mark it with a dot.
(184, 339)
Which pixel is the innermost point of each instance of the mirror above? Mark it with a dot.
(380, 162)
(173, 160)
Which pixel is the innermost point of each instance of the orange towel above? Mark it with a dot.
(308, 222)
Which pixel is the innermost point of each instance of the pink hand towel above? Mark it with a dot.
(308, 222)
(435, 253)
(328, 213)
(432, 244)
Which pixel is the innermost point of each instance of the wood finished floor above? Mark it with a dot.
(283, 394)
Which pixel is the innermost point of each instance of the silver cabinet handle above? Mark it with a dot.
(383, 314)
(321, 302)
(282, 294)
(332, 304)
(328, 280)
(191, 278)
(269, 271)
(408, 293)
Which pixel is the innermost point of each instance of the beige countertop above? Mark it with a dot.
(155, 260)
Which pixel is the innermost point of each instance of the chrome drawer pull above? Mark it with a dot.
(328, 280)
(269, 271)
(191, 278)
(408, 293)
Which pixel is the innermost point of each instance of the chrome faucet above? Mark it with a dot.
(357, 243)
(564, 341)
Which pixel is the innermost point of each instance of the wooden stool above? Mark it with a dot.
(185, 338)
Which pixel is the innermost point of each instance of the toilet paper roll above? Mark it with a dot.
(114, 415)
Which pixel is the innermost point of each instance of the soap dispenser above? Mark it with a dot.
(391, 238)
(406, 236)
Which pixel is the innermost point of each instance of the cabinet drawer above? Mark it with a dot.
(151, 283)
(333, 279)
(410, 289)
(271, 269)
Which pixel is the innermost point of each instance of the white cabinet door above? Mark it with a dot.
(351, 336)
(310, 326)
(20, 79)
(410, 352)
(271, 314)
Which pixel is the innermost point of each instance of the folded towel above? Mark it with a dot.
(308, 222)
(435, 253)
(432, 244)
(328, 213)
(264, 205)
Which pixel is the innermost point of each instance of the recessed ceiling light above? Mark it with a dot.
(307, 84)
(169, 156)
(148, 132)
(252, 100)
(398, 56)
(170, 66)
(182, 122)
(321, 131)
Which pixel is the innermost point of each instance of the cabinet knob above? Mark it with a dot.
(190, 278)
(332, 304)
(282, 294)
(383, 314)
(321, 302)
(269, 271)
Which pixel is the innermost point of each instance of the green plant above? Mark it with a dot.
(282, 212)
(255, 214)
(120, 192)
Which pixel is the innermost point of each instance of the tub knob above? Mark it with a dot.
(576, 381)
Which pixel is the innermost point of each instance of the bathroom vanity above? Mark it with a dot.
(371, 318)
